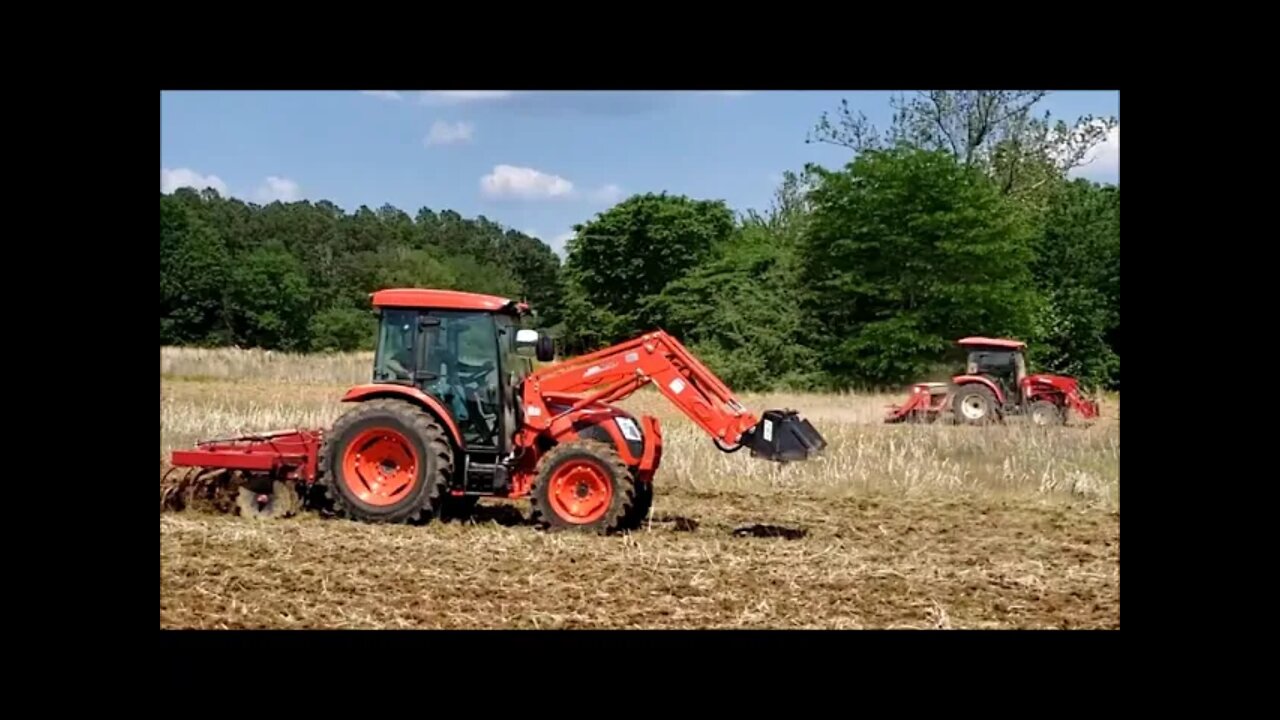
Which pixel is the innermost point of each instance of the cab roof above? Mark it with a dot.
(991, 342)
(430, 299)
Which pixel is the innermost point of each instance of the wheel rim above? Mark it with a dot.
(580, 492)
(973, 407)
(380, 467)
(1042, 416)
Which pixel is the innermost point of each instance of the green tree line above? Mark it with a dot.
(960, 219)
(297, 276)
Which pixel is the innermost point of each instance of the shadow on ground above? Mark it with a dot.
(766, 531)
(504, 515)
(678, 523)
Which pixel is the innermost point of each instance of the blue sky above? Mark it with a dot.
(534, 161)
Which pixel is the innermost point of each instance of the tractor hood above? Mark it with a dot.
(1061, 382)
(1070, 389)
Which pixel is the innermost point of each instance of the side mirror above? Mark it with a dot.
(546, 349)
(532, 342)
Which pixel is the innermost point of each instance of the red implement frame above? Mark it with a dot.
(919, 404)
(289, 454)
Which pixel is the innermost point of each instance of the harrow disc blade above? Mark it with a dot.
(282, 501)
(198, 488)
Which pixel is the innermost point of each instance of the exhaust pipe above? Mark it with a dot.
(784, 436)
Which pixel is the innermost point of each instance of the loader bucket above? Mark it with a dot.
(784, 436)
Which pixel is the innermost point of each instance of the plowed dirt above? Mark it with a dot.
(705, 561)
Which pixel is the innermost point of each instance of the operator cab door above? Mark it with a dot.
(515, 368)
(458, 364)
(1000, 367)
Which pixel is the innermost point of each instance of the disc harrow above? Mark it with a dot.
(253, 475)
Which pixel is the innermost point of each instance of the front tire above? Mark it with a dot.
(1045, 414)
(640, 508)
(583, 485)
(386, 461)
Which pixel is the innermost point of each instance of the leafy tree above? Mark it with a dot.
(620, 261)
(1077, 265)
(194, 263)
(342, 328)
(271, 299)
(957, 220)
(476, 276)
(738, 311)
(536, 268)
(907, 250)
(1028, 158)
(298, 275)
(994, 130)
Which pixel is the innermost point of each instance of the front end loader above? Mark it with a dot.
(455, 412)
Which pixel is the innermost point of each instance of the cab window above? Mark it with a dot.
(393, 361)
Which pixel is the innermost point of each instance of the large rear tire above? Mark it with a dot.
(975, 404)
(583, 485)
(386, 461)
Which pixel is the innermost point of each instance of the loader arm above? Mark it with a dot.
(613, 374)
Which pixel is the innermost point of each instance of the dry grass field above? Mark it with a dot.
(895, 527)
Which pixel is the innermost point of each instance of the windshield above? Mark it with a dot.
(461, 354)
(991, 362)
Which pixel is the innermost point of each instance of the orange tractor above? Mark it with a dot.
(456, 412)
(995, 385)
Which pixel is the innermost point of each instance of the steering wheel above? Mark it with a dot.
(474, 376)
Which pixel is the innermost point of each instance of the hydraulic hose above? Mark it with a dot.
(725, 450)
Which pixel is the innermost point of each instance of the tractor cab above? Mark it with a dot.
(1001, 361)
(467, 351)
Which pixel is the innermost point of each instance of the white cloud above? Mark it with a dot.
(383, 94)
(608, 194)
(458, 97)
(272, 188)
(509, 181)
(277, 188)
(171, 180)
(524, 183)
(443, 133)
